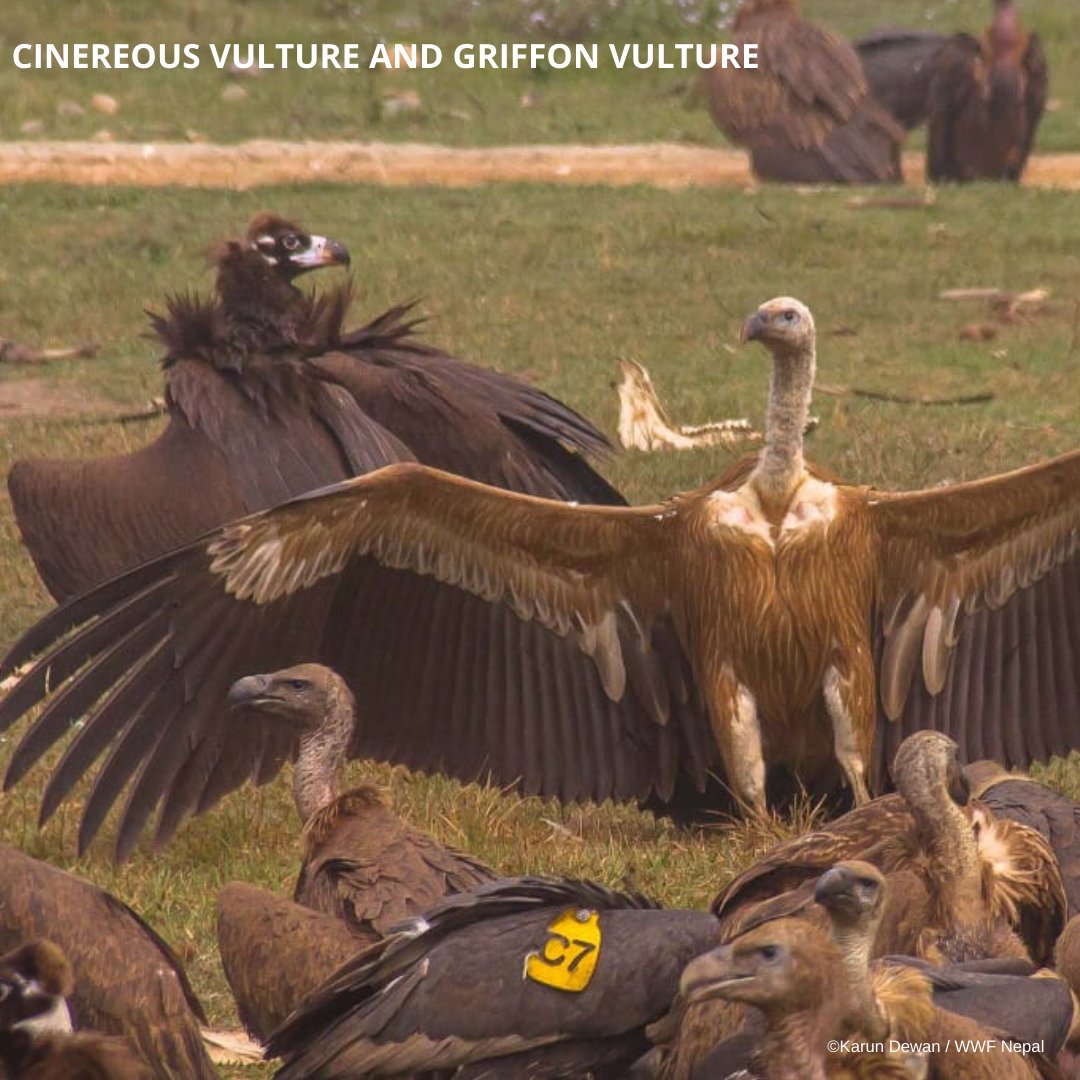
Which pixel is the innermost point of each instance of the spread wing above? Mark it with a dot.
(978, 630)
(898, 65)
(364, 577)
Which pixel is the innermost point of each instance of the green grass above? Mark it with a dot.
(456, 106)
(555, 284)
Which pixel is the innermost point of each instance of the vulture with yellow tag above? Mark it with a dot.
(805, 112)
(986, 98)
(268, 396)
(772, 622)
(523, 977)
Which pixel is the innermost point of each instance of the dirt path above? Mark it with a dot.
(251, 164)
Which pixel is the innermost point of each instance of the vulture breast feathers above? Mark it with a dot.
(806, 112)
(735, 625)
(269, 396)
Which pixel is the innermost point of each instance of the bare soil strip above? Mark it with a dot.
(251, 164)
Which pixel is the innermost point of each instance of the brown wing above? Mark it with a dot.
(978, 631)
(604, 706)
(275, 952)
(873, 832)
(127, 980)
(805, 112)
(364, 865)
(898, 65)
(955, 91)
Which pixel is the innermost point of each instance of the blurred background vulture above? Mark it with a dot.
(986, 98)
(772, 623)
(898, 65)
(806, 113)
(269, 396)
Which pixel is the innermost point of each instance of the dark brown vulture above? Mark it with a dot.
(986, 98)
(805, 113)
(36, 1039)
(898, 65)
(275, 952)
(127, 980)
(522, 977)
(268, 396)
(773, 620)
(361, 862)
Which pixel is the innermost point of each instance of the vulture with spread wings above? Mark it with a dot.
(269, 397)
(986, 98)
(773, 618)
(805, 112)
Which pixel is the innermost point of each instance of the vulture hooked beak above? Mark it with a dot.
(252, 690)
(752, 329)
(322, 251)
(711, 973)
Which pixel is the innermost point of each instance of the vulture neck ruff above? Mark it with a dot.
(322, 752)
(781, 468)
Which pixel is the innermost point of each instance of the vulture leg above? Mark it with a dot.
(738, 735)
(849, 732)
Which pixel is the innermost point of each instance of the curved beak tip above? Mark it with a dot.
(245, 689)
(751, 329)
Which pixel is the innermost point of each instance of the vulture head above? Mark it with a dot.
(289, 249)
(318, 712)
(927, 764)
(783, 325)
(35, 980)
(853, 893)
(774, 965)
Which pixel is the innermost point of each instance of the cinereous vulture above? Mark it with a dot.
(772, 619)
(269, 396)
(805, 112)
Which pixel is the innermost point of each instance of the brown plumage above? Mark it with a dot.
(1022, 798)
(127, 980)
(986, 98)
(805, 113)
(361, 862)
(275, 952)
(772, 620)
(269, 396)
(456, 990)
(36, 1040)
(962, 885)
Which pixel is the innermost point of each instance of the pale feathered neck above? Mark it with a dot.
(323, 751)
(781, 466)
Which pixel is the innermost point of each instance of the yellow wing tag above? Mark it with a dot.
(568, 959)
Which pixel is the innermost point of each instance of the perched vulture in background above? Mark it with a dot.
(805, 113)
(772, 621)
(898, 65)
(986, 98)
(361, 862)
(127, 980)
(522, 977)
(268, 396)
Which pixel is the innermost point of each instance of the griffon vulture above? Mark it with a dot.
(986, 98)
(522, 977)
(269, 396)
(805, 112)
(770, 620)
(361, 862)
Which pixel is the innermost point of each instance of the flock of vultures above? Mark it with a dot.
(390, 553)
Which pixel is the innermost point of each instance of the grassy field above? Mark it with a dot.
(555, 284)
(452, 105)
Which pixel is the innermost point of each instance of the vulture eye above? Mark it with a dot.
(769, 952)
(788, 316)
(297, 684)
(290, 241)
